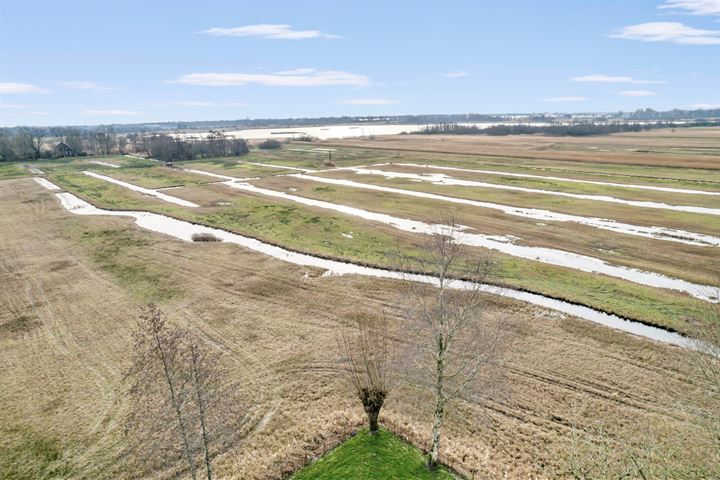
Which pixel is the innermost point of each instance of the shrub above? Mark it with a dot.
(205, 237)
(270, 144)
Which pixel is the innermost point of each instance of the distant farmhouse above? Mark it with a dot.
(62, 150)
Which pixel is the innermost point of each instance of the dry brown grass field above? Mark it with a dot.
(683, 147)
(572, 392)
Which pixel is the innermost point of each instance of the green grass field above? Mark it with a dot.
(318, 231)
(568, 187)
(13, 170)
(372, 457)
(694, 222)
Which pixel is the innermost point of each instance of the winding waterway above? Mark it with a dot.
(662, 233)
(687, 191)
(442, 179)
(185, 230)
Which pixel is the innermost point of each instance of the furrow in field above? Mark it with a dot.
(562, 179)
(441, 179)
(662, 233)
(146, 191)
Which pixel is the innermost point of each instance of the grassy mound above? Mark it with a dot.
(366, 457)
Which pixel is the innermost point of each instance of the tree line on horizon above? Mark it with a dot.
(36, 143)
(572, 130)
(421, 119)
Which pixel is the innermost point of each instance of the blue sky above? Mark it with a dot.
(92, 62)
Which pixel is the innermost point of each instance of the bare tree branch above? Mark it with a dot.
(367, 351)
(452, 338)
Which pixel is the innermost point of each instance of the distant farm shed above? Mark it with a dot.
(62, 149)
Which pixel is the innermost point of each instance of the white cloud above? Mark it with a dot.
(673, 32)
(296, 71)
(268, 31)
(306, 77)
(704, 106)
(456, 74)
(565, 99)
(92, 86)
(13, 106)
(693, 7)
(7, 88)
(602, 78)
(368, 101)
(637, 93)
(93, 113)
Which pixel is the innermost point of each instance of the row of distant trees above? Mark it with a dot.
(34, 143)
(168, 148)
(573, 130)
(640, 114)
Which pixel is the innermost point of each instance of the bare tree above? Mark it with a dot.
(206, 375)
(705, 356)
(707, 345)
(635, 448)
(22, 144)
(640, 449)
(29, 141)
(74, 138)
(598, 451)
(104, 139)
(122, 143)
(366, 350)
(58, 132)
(159, 384)
(182, 404)
(7, 150)
(38, 136)
(455, 341)
(136, 142)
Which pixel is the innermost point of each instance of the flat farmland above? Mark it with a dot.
(68, 303)
(626, 229)
(682, 148)
(641, 215)
(646, 251)
(325, 232)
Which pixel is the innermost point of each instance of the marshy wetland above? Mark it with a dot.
(89, 240)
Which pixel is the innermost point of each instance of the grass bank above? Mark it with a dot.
(373, 457)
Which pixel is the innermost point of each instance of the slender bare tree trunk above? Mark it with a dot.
(176, 406)
(201, 408)
(451, 335)
(439, 409)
